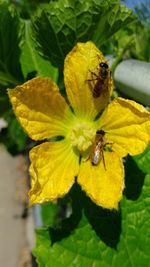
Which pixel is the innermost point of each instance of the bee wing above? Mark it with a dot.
(102, 157)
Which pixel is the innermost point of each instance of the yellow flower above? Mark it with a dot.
(44, 114)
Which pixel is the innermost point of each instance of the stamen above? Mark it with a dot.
(82, 136)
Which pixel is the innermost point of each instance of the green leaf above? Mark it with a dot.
(114, 18)
(48, 213)
(31, 61)
(63, 23)
(96, 237)
(143, 160)
(141, 50)
(43, 246)
(131, 42)
(11, 31)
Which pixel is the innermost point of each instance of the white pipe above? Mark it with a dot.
(132, 78)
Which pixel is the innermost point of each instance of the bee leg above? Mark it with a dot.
(109, 143)
(109, 148)
(92, 80)
(87, 159)
(103, 159)
(94, 74)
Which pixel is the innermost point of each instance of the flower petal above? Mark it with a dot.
(127, 126)
(40, 108)
(79, 63)
(53, 168)
(103, 186)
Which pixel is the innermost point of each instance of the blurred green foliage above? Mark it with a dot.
(19, 61)
(27, 8)
(133, 40)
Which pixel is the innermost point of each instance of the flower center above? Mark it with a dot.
(82, 136)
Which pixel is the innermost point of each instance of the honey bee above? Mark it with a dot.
(99, 145)
(101, 79)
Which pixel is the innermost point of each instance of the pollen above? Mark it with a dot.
(82, 136)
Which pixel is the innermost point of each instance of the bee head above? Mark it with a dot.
(103, 65)
(100, 132)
